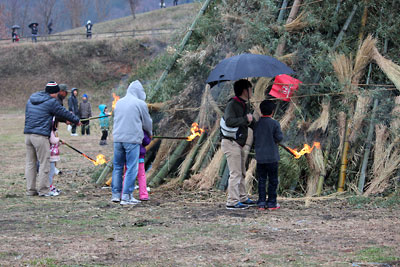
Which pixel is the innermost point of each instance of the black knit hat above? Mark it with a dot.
(52, 88)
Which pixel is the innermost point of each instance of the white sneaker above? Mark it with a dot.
(69, 128)
(128, 202)
(135, 200)
(49, 194)
(56, 171)
(74, 134)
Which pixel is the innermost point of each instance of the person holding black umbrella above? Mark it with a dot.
(237, 119)
(35, 30)
(14, 34)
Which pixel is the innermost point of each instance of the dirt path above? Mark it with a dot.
(175, 228)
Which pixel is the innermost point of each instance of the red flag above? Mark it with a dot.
(284, 86)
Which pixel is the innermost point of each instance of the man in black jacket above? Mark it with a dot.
(237, 149)
(73, 107)
(39, 112)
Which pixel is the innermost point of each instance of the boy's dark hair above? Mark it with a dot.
(241, 85)
(267, 107)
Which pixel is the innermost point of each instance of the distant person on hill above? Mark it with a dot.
(39, 112)
(104, 124)
(175, 2)
(85, 111)
(131, 118)
(162, 3)
(89, 27)
(34, 31)
(73, 108)
(49, 27)
(14, 36)
(267, 135)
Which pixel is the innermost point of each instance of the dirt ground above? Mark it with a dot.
(175, 228)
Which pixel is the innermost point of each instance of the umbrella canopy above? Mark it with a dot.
(33, 23)
(15, 27)
(247, 65)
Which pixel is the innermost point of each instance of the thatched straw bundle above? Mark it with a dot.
(343, 67)
(288, 116)
(379, 150)
(391, 70)
(341, 128)
(395, 124)
(257, 49)
(156, 106)
(323, 120)
(363, 58)
(204, 109)
(210, 174)
(317, 168)
(360, 113)
(250, 176)
(298, 24)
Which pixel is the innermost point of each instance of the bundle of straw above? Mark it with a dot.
(341, 128)
(317, 168)
(210, 174)
(164, 150)
(204, 109)
(388, 67)
(297, 24)
(250, 176)
(343, 67)
(395, 124)
(323, 120)
(363, 58)
(360, 113)
(288, 116)
(379, 150)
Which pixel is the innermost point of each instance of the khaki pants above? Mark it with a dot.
(37, 149)
(236, 157)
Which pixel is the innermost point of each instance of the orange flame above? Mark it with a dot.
(100, 159)
(305, 150)
(116, 98)
(195, 130)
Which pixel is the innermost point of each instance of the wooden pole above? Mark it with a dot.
(180, 49)
(343, 168)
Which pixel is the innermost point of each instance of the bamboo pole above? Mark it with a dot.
(106, 171)
(192, 156)
(283, 10)
(363, 23)
(345, 26)
(180, 48)
(322, 176)
(224, 180)
(343, 168)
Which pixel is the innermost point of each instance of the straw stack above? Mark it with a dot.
(210, 174)
(317, 168)
(360, 113)
(323, 120)
(165, 149)
(250, 176)
(288, 116)
(391, 70)
(379, 152)
(363, 58)
(297, 24)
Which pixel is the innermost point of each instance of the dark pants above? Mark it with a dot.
(85, 128)
(270, 171)
(104, 135)
(73, 129)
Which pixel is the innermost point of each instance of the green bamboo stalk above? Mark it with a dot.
(180, 49)
(224, 180)
(105, 172)
(192, 156)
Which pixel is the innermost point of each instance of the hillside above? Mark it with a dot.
(95, 66)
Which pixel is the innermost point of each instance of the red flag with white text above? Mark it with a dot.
(284, 86)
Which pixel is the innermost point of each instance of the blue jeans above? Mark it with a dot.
(125, 153)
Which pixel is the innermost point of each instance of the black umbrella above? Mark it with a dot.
(247, 65)
(15, 27)
(33, 23)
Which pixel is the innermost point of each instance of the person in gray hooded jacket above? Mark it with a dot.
(39, 112)
(131, 117)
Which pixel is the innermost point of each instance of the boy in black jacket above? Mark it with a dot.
(267, 135)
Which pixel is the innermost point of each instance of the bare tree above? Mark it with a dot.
(24, 15)
(133, 4)
(102, 8)
(77, 9)
(45, 8)
(3, 29)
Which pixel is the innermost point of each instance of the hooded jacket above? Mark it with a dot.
(145, 142)
(131, 116)
(39, 112)
(104, 122)
(73, 103)
(85, 109)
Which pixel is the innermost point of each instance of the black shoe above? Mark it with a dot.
(238, 206)
(250, 202)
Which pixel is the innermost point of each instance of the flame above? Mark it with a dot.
(305, 150)
(195, 130)
(100, 159)
(116, 98)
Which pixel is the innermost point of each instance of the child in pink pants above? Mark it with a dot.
(143, 194)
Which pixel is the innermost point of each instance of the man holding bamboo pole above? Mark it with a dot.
(131, 117)
(39, 112)
(234, 146)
